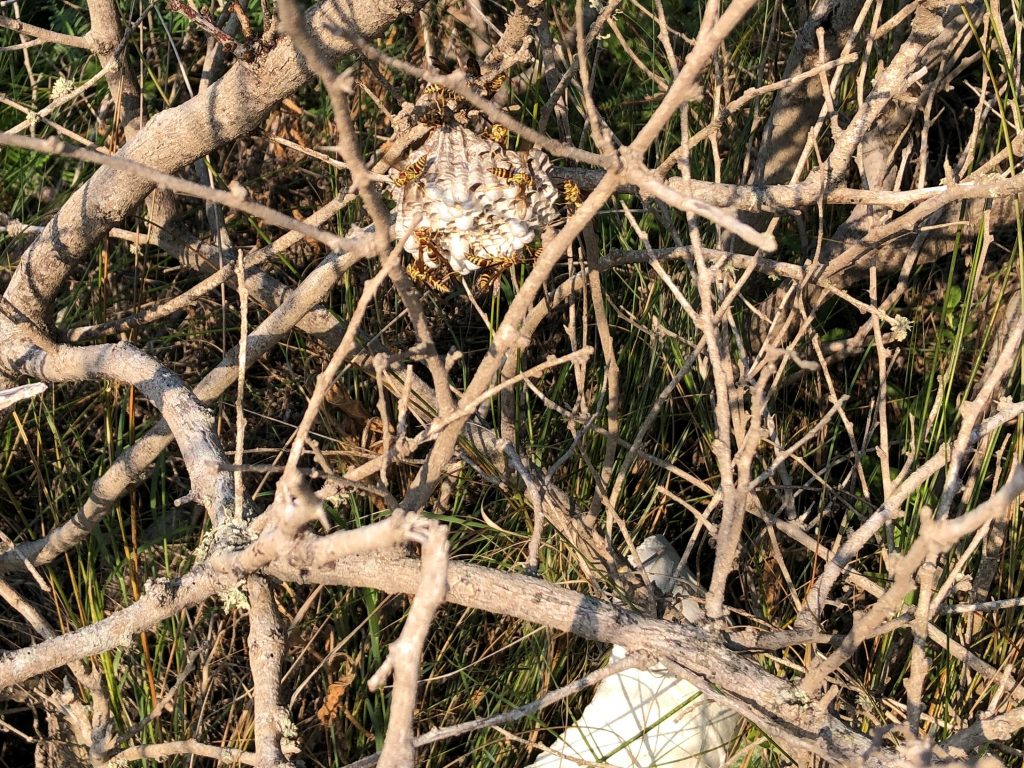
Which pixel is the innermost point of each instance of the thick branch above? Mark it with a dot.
(229, 108)
(191, 423)
(773, 704)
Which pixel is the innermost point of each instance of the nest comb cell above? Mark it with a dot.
(464, 203)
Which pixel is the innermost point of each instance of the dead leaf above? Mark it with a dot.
(328, 713)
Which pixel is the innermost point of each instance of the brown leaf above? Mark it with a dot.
(328, 713)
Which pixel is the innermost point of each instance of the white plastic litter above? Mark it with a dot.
(647, 718)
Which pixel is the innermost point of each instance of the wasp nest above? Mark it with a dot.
(465, 203)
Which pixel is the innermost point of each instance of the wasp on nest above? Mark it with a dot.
(470, 205)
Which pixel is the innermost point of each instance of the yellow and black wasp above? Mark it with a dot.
(411, 172)
(436, 277)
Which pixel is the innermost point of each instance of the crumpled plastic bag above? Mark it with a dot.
(647, 718)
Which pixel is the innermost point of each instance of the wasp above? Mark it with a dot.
(441, 96)
(489, 274)
(521, 179)
(440, 91)
(426, 243)
(499, 135)
(491, 86)
(411, 172)
(486, 279)
(489, 262)
(437, 276)
(491, 269)
(571, 194)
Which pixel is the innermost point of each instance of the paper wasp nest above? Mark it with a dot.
(468, 203)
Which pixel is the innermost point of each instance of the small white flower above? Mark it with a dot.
(61, 88)
(901, 327)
